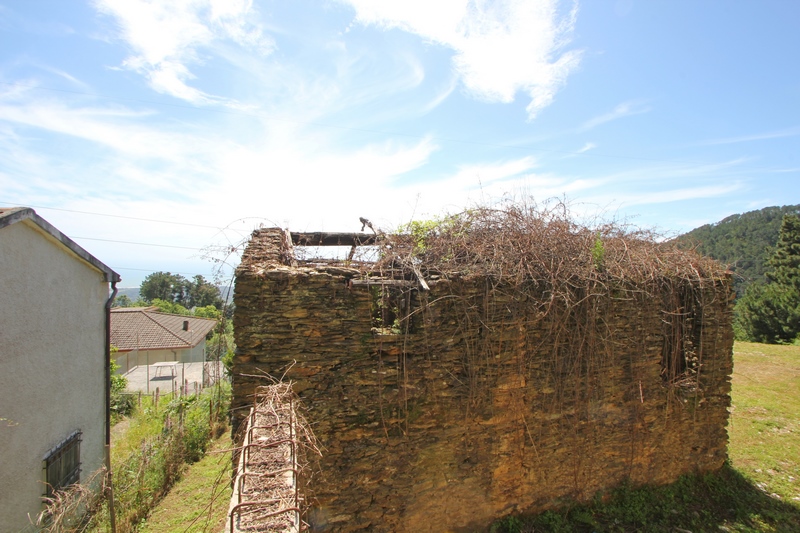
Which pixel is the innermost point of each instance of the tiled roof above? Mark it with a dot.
(145, 329)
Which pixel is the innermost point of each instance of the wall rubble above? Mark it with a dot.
(466, 414)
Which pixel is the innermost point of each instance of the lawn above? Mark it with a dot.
(765, 417)
(199, 501)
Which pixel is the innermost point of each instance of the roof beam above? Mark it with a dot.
(332, 239)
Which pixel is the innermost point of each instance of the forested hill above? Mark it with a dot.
(744, 241)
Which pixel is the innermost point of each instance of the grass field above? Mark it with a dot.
(765, 417)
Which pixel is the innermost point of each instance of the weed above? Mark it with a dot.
(152, 455)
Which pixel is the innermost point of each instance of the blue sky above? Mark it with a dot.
(182, 125)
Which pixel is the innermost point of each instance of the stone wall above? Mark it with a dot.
(468, 410)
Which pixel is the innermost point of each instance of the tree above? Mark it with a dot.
(202, 293)
(168, 287)
(785, 262)
(170, 307)
(164, 286)
(209, 311)
(771, 312)
(123, 300)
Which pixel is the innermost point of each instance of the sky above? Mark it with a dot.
(158, 134)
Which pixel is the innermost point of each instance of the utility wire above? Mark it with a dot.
(118, 216)
(140, 243)
(158, 270)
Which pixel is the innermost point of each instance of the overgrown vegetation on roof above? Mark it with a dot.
(563, 275)
(523, 241)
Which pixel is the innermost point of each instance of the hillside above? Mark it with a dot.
(743, 241)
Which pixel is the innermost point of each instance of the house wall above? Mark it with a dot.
(52, 346)
(470, 416)
(128, 360)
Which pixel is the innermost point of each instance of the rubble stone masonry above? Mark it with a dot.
(465, 414)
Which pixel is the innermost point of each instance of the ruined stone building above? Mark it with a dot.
(456, 378)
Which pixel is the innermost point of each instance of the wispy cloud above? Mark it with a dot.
(586, 147)
(679, 194)
(501, 48)
(789, 132)
(165, 38)
(624, 109)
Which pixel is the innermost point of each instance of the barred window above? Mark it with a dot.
(62, 464)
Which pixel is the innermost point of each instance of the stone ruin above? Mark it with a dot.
(445, 398)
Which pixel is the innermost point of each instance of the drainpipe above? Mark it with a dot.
(108, 408)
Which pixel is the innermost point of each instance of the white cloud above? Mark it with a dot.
(166, 35)
(501, 48)
(680, 194)
(586, 147)
(622, 110)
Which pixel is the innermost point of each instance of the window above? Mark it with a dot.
(62, 464)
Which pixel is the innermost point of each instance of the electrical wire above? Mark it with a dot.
(139, 243)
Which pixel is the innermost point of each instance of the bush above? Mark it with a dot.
(122, 404)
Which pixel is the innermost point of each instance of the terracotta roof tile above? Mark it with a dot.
(144, 329)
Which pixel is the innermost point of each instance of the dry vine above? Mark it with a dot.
(541, 266)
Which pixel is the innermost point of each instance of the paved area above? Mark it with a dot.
(169, 378)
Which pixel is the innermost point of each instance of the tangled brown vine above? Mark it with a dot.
(541, 264)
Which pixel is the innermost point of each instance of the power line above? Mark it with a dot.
(158, 270)
(121, 216)
(139, 243)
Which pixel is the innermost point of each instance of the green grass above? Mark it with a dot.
(765, 417)
(151, 451)
(759, 490)
(199, 501)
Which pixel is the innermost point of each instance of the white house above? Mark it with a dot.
(54, 319)
(144, 336)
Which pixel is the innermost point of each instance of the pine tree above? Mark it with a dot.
(771, 313)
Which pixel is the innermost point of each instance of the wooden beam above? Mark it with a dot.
(332, 239)
(385, 282)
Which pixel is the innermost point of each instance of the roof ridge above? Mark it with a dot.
(160, 325)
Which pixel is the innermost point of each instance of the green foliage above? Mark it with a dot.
(220, 345)
(598, 253)
(785, 262)
(744, 241)
(174, 288)
(163, 286)
(422, 230)
(121, 404)
(170, 307)
(509, 524)
(770, 312)
(202, 293)
(199, 500)
(123, 300)
(152, 454)
(208, 311)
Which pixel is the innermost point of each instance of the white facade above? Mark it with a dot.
(127, 361)
(52, 361)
